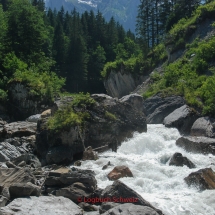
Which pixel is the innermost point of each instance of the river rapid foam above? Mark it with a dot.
(147, 155)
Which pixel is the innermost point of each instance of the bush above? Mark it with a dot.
(68, 116)
(44, 84)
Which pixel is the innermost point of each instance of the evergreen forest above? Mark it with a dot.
(55, 52)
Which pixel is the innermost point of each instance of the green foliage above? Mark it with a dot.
(67, 116)
(82, 100)
(43, 84)
(3, 95)
(182, 29)
(187, 76)
(110, 116)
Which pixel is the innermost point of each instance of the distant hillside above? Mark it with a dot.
(124, 11)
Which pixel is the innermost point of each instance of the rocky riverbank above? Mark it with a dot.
(39, 168)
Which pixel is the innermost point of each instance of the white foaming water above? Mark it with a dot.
(147, 156)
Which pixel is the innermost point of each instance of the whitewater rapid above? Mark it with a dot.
(147, 155)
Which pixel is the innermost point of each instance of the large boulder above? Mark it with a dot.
(157, 108)
(203, 179)
(76, 192)
(203, 127)
(23, 190)
(110, 122)
(202, 145)
(178, 160)
(42, 205)
(131, 209)
(182, 119)
(105, 206)
(89, 154)
(119, 172)
(123, 193)
(63, 177)
(19, 129)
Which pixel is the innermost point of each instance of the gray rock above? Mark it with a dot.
(22, 103)
(33, 118)
(89, 154)
(8, 152)
(203, 179)
(3, 201)
(202, 145)
(43, 205)
(15, 175)
(59, 154)
(111, 122)
(19, 129)
(120, 191)
(178, 160)
(157, 108)
(75, 191)
(182, 119)
(62, 177)
(120, 83)
(203, 127)
(134, 100)
(131, 209)
(88, 207)
(105, 206)
(23, 190)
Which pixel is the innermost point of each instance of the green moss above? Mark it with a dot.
(110, 116)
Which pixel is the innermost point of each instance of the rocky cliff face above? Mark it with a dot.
(23, 104)
(119, 83)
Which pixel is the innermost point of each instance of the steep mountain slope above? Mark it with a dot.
(124, 11)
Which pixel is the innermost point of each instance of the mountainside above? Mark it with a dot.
(124, 11)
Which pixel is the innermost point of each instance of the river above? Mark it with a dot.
(147, 155)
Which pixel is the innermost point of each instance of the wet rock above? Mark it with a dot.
(77, 163)
(119, 172)
(22, 164)
(202, 145)
(182, 119)
(178, 160)
(41, 205)
(89, 154)
(76, 191)
(29, 159)
(34, 118)
(23, 190)
(121, 192)
(157, 108)
(106, 165)
(105, 206)
(131, 209)
(203, 179)
(203, 127)
(19, 129)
